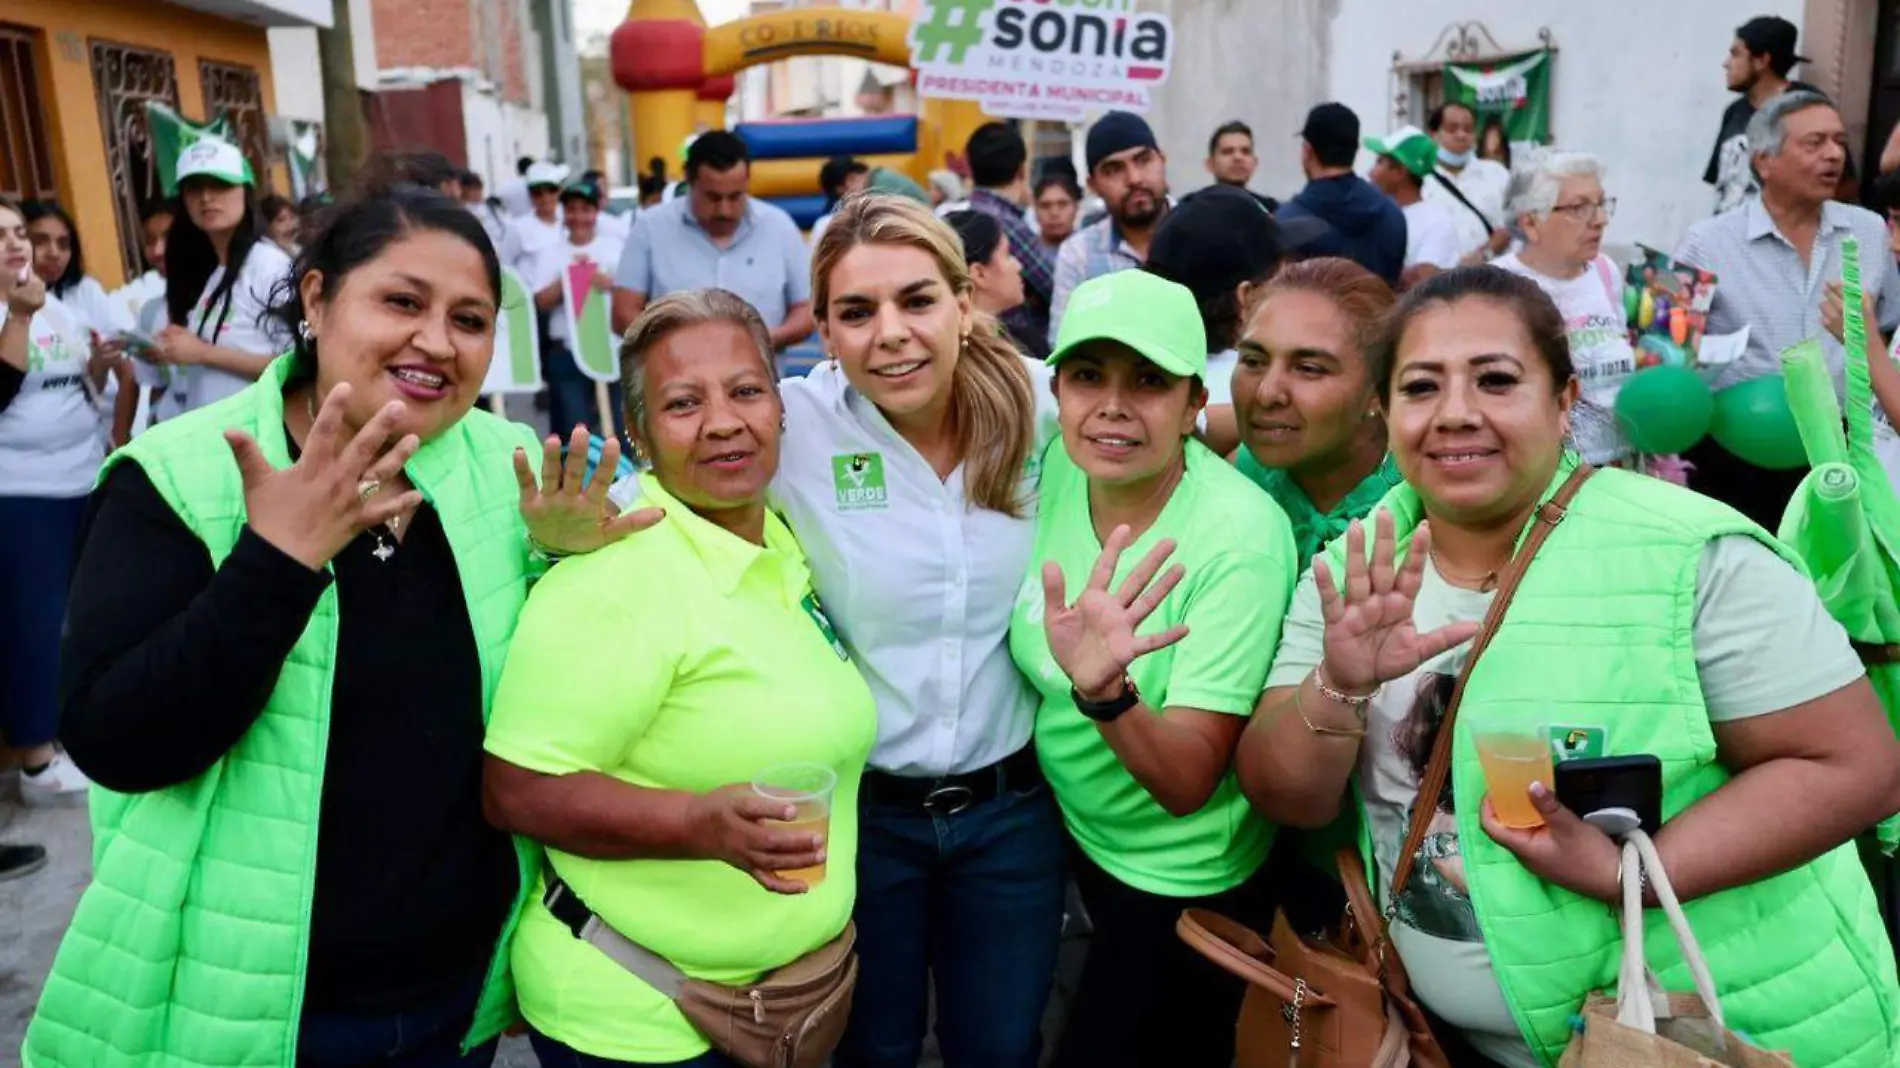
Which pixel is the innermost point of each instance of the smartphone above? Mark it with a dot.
(1615, 793)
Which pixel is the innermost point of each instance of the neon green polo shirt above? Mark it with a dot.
(1237, 549)
(682, 658)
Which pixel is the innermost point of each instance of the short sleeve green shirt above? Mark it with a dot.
(1238, 554)
(683, 658)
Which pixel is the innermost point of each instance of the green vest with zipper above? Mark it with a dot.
(1601, 632)
(189, 947)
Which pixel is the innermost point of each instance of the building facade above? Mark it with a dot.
(1638, 84)
(484, 82)
(74, 82)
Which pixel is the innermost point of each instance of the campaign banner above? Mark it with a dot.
(1041, 59)
(516, 367)
(1514, 91)
(589, 322)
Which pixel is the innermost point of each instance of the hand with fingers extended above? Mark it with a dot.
(1370, 638)
(1094, 639)
(569, 513)
(734, 824)
(313, 508)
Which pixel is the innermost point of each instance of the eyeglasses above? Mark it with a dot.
(1584, 211)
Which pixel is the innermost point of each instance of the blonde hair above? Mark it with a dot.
(675, 312)
(992, 400)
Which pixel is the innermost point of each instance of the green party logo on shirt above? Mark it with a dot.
(858, 478)
(44, 351)
(817, 613)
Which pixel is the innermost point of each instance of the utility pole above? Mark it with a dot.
(346, 133)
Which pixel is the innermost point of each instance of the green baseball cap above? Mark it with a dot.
(1414, 150)
(1144, 311)
(213, 157)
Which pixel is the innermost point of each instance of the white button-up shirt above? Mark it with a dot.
(918, 582)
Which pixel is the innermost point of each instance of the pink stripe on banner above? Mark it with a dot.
(1146, 74)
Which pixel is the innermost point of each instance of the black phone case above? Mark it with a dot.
(1632, 782)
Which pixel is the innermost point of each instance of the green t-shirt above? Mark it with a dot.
(1312, 528)
(684, 658)
(1238, 555)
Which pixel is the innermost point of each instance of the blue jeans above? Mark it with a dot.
(38, 541)
(972, 901)
(553, 1054)
(427, 1036)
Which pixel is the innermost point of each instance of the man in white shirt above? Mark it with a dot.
(570, 391)
(1406, 158)
(1473, 188)
(528, 234)
(513, 193)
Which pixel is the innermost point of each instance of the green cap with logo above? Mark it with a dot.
(1143, 311)
(214, 157)
(1411, 146)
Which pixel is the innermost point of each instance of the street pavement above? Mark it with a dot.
(39, 906)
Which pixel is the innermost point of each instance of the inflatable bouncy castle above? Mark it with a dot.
(678, 75)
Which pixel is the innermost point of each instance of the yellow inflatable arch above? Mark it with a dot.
(678, 73)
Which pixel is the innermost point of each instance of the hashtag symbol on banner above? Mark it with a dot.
(955, 24)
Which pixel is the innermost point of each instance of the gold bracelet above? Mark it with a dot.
(1325, 732)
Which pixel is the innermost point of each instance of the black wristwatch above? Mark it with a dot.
(1110, 710)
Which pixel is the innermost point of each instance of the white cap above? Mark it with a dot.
(545, 173)
(213, 157)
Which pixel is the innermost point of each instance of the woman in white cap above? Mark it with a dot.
(219, 275)
(541, 228)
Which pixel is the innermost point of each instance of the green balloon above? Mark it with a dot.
(1753, 421)
(1664, 410)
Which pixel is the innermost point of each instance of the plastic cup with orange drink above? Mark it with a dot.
(808, 788)
(1515, 755)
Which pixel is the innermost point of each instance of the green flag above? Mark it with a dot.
(172, 133)
(301, 152)
(589, 326)
(1514, 90)
(516, 367)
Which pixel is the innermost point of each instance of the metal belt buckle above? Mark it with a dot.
(949, 800)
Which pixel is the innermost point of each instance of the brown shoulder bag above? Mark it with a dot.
(1341, 999)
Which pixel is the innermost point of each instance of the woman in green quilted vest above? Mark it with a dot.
(288, 618)
(1652, 620)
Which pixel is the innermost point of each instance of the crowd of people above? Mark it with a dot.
(1123, 552)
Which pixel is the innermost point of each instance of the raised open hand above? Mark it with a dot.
(1370, 639)
(315, 507)
(568, 512)
(1094, 639)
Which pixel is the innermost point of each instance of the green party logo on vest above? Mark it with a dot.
(1578, 743)
(858, 478)
(817, 613)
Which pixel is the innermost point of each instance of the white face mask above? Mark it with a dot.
(1452, 159)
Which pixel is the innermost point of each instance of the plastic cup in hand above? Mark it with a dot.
(1514, 756)
(808, 789)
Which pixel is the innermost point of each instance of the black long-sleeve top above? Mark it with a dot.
(166, 664)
